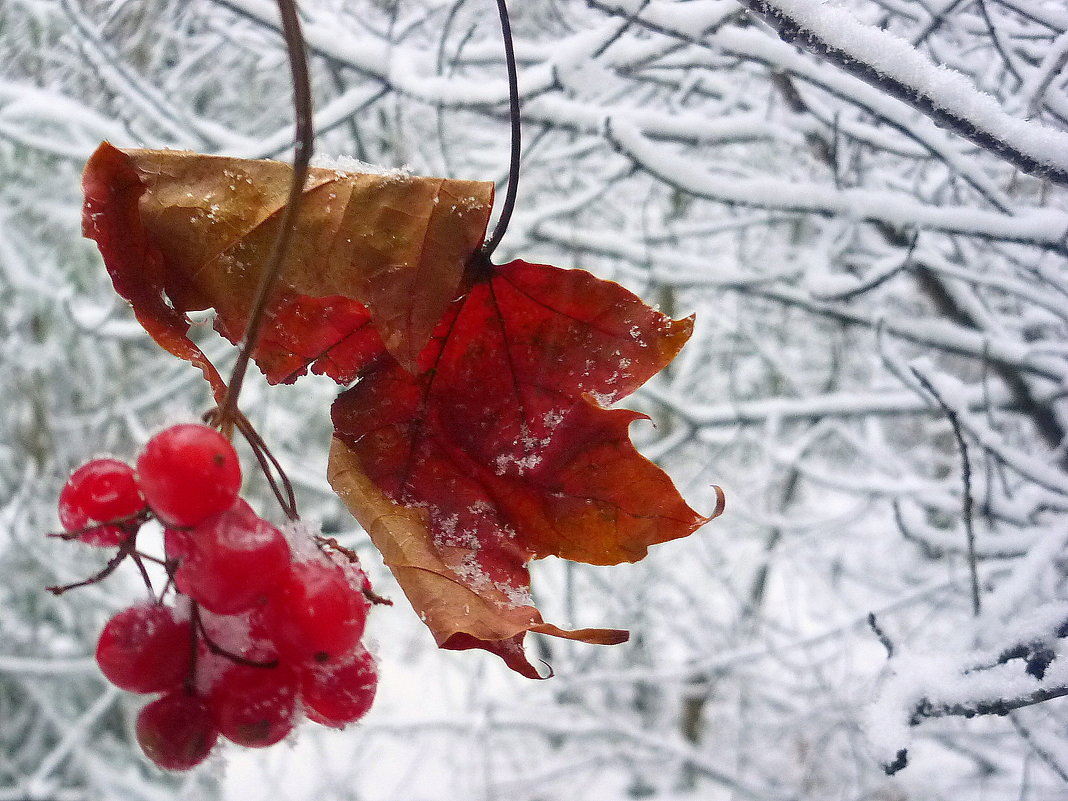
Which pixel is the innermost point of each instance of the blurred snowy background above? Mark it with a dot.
(873, 240)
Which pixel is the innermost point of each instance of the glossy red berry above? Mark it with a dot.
(336, 695)
(176, 731)
(144, 649)
(177, 543)
(188, 473)
(255, 706)
(97, 493)
(315, 615)
(233, 560)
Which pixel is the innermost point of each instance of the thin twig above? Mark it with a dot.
(514, 117)
(887, 643)
(127, 524)
(966, 476)
(126, 548)
(873, 282)
(352, 556)
(995, 706)
(305, 138)
(136, 557)
(1043, 753)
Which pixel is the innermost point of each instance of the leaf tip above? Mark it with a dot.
(721, 503)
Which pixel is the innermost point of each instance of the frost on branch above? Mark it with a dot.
(986, 669)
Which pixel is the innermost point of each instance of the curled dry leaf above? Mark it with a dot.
(373, 256)
(498, 452)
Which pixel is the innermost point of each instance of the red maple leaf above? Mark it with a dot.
(499, 451)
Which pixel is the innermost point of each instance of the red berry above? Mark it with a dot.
(177, 543)
(233, 560)
(335, 695)
(315, 615)
(99, 492)
(188, 473)
(255, 706)
(176, 731)
(144, 649)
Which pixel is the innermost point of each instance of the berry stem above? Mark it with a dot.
(351, 555)
(125, 549)
(130, 523)
(138, 560)
(218, 650)
(190, 683)
(269, 464)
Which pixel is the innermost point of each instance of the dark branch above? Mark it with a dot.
(884, 639)
(994, 706)
(791, 31)
(966, 477)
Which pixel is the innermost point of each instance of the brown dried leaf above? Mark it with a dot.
(394, 243)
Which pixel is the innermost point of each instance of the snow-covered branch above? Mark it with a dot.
(896, 69)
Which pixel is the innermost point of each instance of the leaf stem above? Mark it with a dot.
(305, 137)
(514, 118)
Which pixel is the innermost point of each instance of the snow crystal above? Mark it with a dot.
(446, 535)
(448, 525)
(232, 633)
(345, 165)
(474, 576)
(469, 203)
(603, 398)
(552, 419)
(517, 596)
(301, 538)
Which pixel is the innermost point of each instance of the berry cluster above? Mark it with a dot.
(259, 632)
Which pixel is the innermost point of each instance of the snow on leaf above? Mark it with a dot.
(182, 231)
(454, 594)
(495, 452)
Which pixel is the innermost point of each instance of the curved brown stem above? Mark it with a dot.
(218, 650)
(127, 547)
(305, 137)
(271, 467)
(348, 553)
(516, 150)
